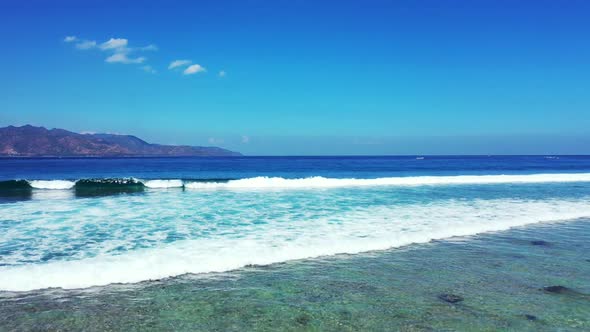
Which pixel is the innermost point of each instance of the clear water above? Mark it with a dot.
(332, 243)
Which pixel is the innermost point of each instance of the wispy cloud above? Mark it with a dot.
(86, 45)
(179, 63)
(123, 58)
(114, 44)
(148, 69)
(119, 50)
(117, 47)
(193, 69)
(214, 140)
(190, 68)
(150, 47)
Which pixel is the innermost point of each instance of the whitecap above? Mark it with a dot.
(263, 182)
(52, 184)
(163, 184)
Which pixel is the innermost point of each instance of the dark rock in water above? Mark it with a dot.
(556, 289)
(540, 243)
(530, 317)
(303, 319)
(345, 314)
(450, 298)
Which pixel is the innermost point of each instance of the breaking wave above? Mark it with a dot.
(164, 184)
(321, 182)
(359, 230)
(263, 182)
(52, 184)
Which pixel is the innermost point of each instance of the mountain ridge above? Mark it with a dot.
(31, 141)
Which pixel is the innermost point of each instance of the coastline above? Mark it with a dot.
(114, 157)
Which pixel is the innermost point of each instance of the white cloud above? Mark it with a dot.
(148, 69)
(86, 45)
(213, 140)
(123, 58)
(245, 139)
(119, 51)
(150, 47)
(114, 43)
(193, 69)
(179, 63)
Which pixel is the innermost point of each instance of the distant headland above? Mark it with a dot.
(31, 141)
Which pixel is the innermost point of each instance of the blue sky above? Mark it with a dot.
(305, 77)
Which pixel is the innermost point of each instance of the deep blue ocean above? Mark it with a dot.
(287, 167)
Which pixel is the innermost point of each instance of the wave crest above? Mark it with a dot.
(322, 182)
(264, 182)
(52, 184)
(156, 184)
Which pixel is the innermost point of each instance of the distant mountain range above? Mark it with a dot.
(31, 141)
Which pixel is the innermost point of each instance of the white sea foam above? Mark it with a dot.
(163, 184)
(52, 195)
(321, 182)
(356, 230)
(52, 184)
(263, 182)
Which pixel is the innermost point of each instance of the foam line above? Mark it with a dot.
(321, 182)
(360, 230)
(263, 182)
(163, 184)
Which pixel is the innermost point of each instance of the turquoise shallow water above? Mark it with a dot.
(57, 240)
(499, 275)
